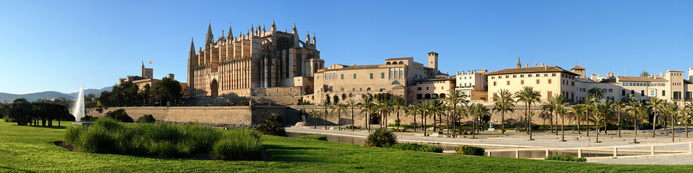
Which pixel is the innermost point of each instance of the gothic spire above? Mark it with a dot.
(314, 39)
(210, 37)
(230, 33)
(192, 46)
(518, 65)
(273, 27)
(308, 38)
(294, 31)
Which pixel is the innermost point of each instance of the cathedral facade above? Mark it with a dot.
(258, 63)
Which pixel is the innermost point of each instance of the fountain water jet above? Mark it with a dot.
(78, 108)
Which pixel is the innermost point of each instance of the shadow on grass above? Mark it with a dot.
(45, 127)
(292, 154)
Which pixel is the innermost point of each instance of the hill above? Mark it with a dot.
(9, 97)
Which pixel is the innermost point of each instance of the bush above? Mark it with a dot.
(240, 144)
(89, 118)
(380, 137)
(119, 115)
(109, 136)
(8, 119)
(314, 137)
(272, 125)
(649, 126)
(414, 147)
(469, 150)
(565, 158)
(148, 118)
(351, 127)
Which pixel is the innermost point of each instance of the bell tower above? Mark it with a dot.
(433, 60)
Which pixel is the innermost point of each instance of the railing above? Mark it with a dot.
(606, 152)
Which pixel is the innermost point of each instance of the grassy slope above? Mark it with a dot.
(31, 149)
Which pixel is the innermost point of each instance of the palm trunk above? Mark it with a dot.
(423, 117)
(474, 128)
(434, 123)
(339, 117)
(398, 121)
(619, 122)
(635, 130)
(415, 125)
(597, 127)
(685, 122)
(353, 121)
(502, 122)
(672, 128)
(654, 123)
(563, 128)
(578, 125)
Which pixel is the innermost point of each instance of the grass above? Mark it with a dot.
(31, 149)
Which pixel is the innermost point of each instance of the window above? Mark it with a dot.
(653, 92)
(418, 88)
(354, 75)
(623, 92)
(549, 81)
(508, 83)
(500, 77)
(677, 95)
(522, 82)
(611, 90)
(514, 76)
(664, 92)
(549, 94)
(494, 83)
(342, 89)
(537, 75)
(642, 92)
(546, 75)
(418, 96)
(426, 88)
(342, 76)
(382, 75)
(553, 75)
(572, 83)
(522, 75)
(537, 81)
(371, 75)
(632, 92)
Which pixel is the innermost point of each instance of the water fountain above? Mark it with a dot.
(78, 108)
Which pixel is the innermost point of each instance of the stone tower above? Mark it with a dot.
(433, 60)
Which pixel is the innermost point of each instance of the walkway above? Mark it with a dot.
(545, 140)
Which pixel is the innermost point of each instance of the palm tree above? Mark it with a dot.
(605, 107)
(686, 115)
(351, 104)
(398, 104)
(384, 107)
(478, 110)
(638, 111)
(672, 109)
(528, 96)
(315, 114)
(454, 98)
(654, 103)
(589, 105)
(435, 108)
(620, 105)
(412, 110)
(325, 105)
(578, 110)
(547, 110)
(562, 111)
(367, 106)
(339, 108)
(597, 93)
(558, 101)
(424, 109)
(504, 102)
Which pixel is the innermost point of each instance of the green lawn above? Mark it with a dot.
(31, 149)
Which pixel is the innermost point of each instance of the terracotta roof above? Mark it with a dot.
(577, 67)
(640, 79)
(542, 69)
(353, 67)
(437, 79)
(403, 58)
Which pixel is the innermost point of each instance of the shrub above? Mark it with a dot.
(469, 150)
(314, 137)
(415, 147)
(119, 115)
(8, 119)
(72, 133)
(272, 125)
(380, 137)
(565, 158)
(89, 118)
(148, 118)
(352, 127)
(239, 144)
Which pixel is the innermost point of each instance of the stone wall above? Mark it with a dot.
(247, 115)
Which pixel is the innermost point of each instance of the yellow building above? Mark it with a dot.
(547, 80)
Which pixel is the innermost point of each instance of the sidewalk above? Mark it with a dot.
(546, 140)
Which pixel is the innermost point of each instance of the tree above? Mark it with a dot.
(119, 115)
(167, 90)
(384, 107)
(596, 93)
(478, 110)
(352, 104)
(637, 111)
(504, 102)
(589, 105)
(398, 104)
(272, 125)
(644, 74)
(620, 105)
(315, 114)
(455, 97)
(562, 111)
(557, 101)
(528, 96)
(672, 109)
(368, 107)
(604, 109)
(412, 110)
(435, 108)
(655, 103)
(20, 110)
(325, 106)
(578, 112)
(686, 115)
(339, 108)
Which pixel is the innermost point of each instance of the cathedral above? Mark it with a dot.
(260, 62)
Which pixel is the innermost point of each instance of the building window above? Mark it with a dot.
(514, 76)
(664, 92)
(653, 92)
(549, 81)
(342, 76)
(553, 75)
(642, 92)
(611, 90)
(623, 92)
(382, 75)
(522, 75)
(426, 88)
(632, 92)
(371, 75)
(677, 95)
(418, 88)
(354, 75)
(522, 82)
(508, 83)
(549, 94)
(537, 81)
(418, 96)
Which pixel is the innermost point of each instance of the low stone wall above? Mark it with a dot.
(237, 115)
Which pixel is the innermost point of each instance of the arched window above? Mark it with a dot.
(401, 62)
(395, 83)
(427, 96)
(388, 63)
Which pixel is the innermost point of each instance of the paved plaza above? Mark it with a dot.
(667, 152)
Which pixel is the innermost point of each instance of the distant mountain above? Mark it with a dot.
(49, 94)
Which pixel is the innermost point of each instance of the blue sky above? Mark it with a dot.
(59, 45)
